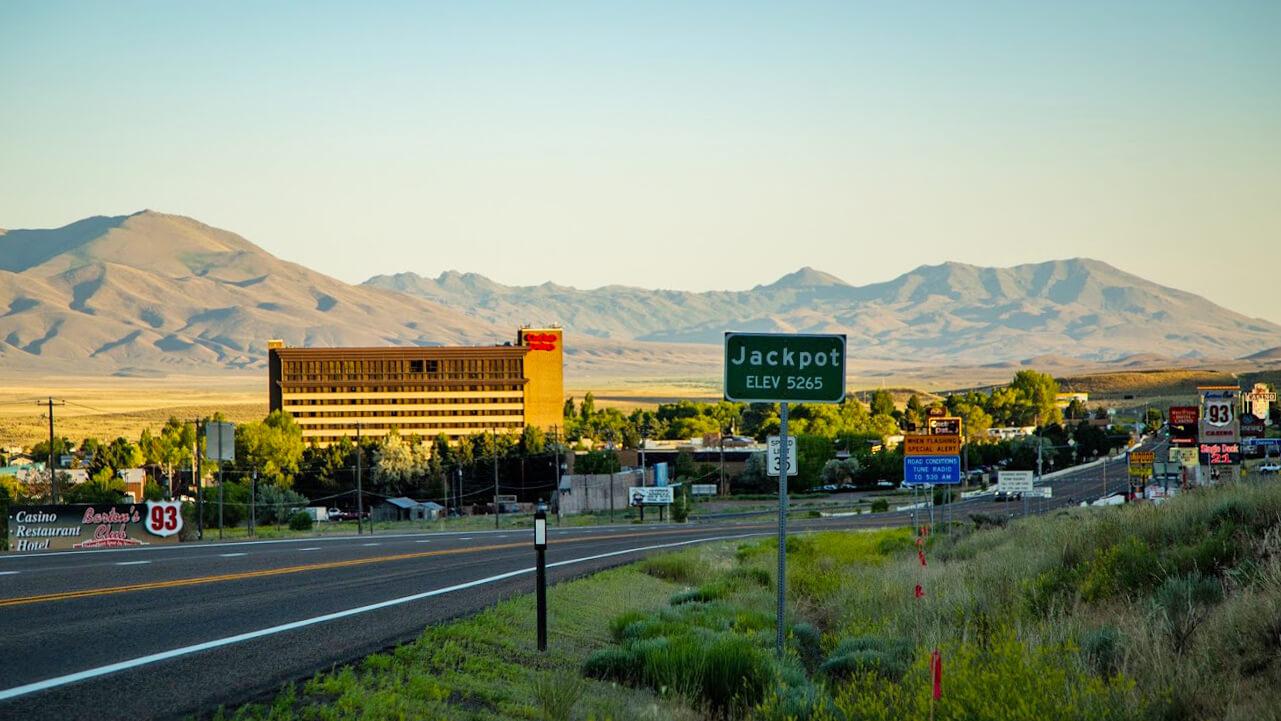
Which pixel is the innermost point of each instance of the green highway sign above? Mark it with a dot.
(784, 368)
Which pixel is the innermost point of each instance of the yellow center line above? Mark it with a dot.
(91, 592)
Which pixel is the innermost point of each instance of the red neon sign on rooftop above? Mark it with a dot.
(541, 341)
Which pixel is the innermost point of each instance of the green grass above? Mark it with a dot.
(487, 667)
(1138, 612)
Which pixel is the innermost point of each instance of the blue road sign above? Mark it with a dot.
(942, 470)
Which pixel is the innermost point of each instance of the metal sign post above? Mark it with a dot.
(782, 533)
(784, 368)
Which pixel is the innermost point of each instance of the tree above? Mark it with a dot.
(399, 466)
(61, 447)
(102, 487)
(588, 408)
(812, 454)
(532, 441)
(177, 441)
(838, 472)
(593, 462)
(882, 403)
(1039, 392)
(274, 447)
(753, 478)
(685, 468)
(116, 456)
(275, 504)
(1153, 420)
(568, 411)
(915, 413)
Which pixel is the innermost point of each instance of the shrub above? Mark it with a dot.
(880, 505)
(1102, 650)
(612, 664)
(758, 576)
(1124, 569)
(1043, 681)
(1182, 603)
(808, 645)
(992, 520)
(624, 625)
(557, 693)
(675, 567)
(887, 658)
(300, 521)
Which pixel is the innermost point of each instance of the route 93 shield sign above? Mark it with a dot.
(164, 518)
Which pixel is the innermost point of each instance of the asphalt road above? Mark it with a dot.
(166, 632)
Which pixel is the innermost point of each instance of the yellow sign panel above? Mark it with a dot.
(1142, 457)
(1141, 471)
(1185, 456)
(931, 445)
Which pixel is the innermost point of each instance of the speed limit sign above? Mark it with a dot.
(772, 455)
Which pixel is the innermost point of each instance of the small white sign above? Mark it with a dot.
(772, 455)
(1042, 492)
(703, 489)
(649, 496)
(1014, 481)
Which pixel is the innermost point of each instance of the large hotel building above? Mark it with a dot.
(423, 391)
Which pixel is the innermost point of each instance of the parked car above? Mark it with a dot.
(830, 487)
(1270, 468)
(347, 516)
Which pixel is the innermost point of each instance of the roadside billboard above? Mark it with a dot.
(1183, 425)
(1014, 481)
(96, 526)
(650, 496)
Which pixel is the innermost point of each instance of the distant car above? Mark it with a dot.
(347, 516)
(846, 487)
(1270, 468)
(1003, 496)
(884, 484)
(830, 487)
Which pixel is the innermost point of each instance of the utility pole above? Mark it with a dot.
(253, 504)
(498, 509)
(360, 502)
(644, 434)
(556, 441)
(195, 479)
(53, 469)
(723, 493)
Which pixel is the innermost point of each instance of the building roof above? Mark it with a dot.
(408, 503)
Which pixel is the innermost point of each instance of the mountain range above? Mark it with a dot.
(153, 293)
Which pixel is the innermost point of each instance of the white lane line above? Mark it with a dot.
(232, 555)
(313, 548)
(133, 563)
(9, 573)
(465, 538)
(372, 544)
(422, 541)
(282, 628)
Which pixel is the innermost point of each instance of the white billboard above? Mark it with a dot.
(649, 496)
(1014, 481)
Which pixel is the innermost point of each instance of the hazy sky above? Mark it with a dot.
(689, 145)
